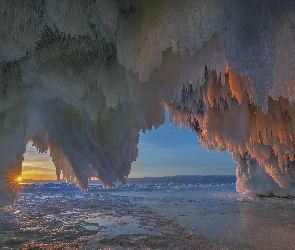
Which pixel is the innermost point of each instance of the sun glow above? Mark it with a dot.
(37, 166)
(19, 178)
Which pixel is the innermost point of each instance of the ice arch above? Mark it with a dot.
(83, 77)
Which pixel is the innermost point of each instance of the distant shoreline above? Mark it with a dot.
(179, 179)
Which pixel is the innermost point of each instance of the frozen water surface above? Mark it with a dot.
(81, 78)
(146, 216)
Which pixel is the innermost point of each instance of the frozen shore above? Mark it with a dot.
(145, 216)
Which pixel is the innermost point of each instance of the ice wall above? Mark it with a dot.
(83, 77)
(227, 119)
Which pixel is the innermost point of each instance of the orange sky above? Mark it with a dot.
(37, 166)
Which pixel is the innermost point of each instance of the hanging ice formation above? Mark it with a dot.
(83, 77)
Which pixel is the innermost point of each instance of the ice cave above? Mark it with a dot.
(83, 77)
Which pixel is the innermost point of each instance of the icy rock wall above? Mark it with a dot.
(83, 77)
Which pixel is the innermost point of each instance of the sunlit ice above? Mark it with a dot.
(80, 79)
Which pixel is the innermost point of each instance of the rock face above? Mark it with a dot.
(83, 77)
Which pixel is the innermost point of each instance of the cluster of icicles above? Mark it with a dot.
(225, 118)
(82, 78)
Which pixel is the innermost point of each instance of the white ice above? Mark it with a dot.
(83, 77)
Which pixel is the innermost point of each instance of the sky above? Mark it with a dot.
(165, 151)
(37, 166)
(171, 151)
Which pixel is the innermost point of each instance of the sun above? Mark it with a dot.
(19, 178)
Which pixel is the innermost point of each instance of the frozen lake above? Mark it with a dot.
(165, 215)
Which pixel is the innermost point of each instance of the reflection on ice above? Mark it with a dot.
(136, 216)
(50, 214)
(268, 217)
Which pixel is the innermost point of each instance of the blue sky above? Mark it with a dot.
(162, 152)
(172, 151)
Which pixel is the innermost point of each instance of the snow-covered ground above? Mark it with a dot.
(182, 215)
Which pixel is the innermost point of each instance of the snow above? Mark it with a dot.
(82, 78)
